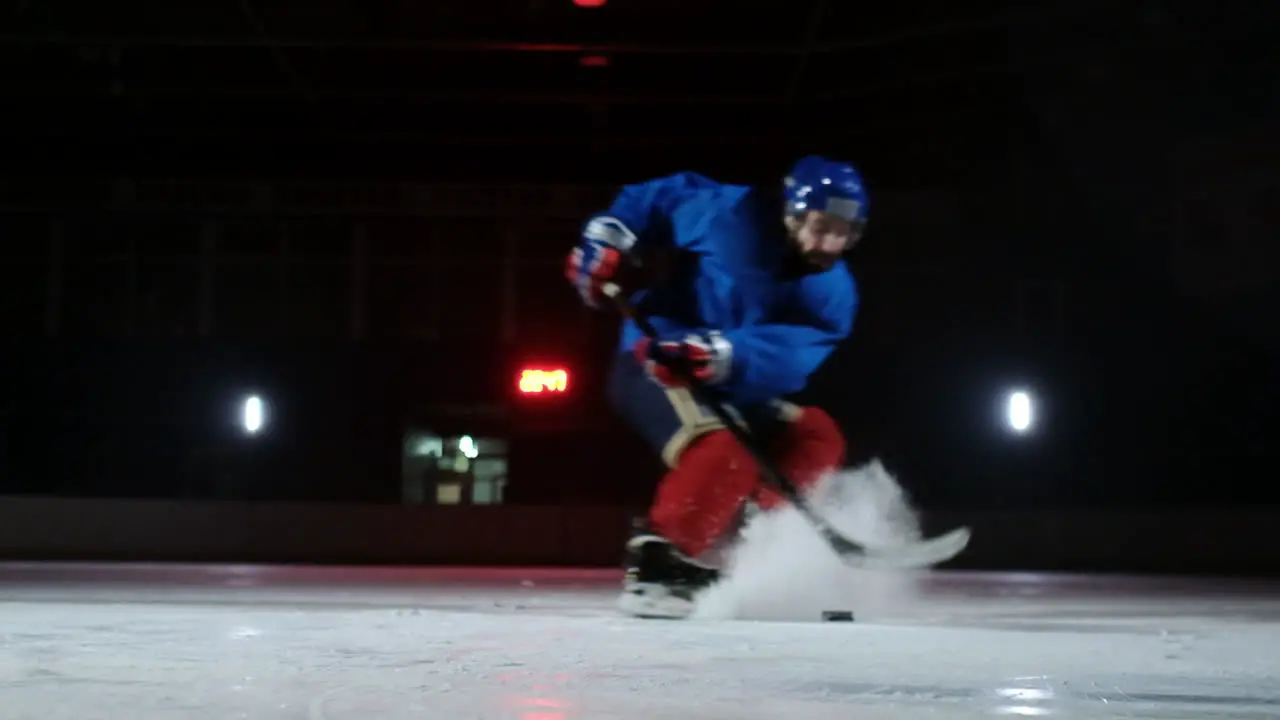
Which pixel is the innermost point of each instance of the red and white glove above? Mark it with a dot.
(599, 257)
(705, 356)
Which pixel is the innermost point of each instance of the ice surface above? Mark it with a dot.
(86, 642)
(139, 642)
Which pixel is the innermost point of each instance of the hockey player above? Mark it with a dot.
(756, 297)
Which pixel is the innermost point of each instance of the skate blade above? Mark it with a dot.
(653, 602)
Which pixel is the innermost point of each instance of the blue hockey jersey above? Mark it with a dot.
(733, 276)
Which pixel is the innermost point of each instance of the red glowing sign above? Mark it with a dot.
(537, 380)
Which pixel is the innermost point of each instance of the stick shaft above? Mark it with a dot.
(722, 410)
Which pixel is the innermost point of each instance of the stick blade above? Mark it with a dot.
(919, 554)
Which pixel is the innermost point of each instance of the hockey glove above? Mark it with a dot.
(706, 357)
(598, 258)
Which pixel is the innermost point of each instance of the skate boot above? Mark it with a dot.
(661, 581)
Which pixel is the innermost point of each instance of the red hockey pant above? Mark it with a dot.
(698, 501)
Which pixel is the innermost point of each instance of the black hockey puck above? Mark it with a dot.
(837, 616)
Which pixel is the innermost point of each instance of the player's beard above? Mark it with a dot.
(821, 260)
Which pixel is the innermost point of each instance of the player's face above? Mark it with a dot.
(823, 238)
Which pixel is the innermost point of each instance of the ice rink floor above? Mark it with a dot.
(154, 642)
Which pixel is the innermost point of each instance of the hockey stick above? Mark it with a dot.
(916, 554)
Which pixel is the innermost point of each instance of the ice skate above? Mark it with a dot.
(661, 581)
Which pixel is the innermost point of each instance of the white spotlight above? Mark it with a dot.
(1019, 411)
(253, 415)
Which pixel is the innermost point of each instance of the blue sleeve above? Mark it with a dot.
(646, 208)
(776, 359)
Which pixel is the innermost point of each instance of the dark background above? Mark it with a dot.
(359, 209)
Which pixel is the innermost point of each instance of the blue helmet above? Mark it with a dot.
(816, 183)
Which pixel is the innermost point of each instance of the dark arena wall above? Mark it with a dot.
(267, 288)
(151, 419)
